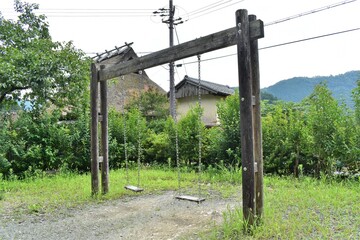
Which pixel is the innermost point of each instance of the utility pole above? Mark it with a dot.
(171, 64)
(171, 22)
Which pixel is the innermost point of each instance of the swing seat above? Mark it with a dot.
(190, 198)
(134, 188)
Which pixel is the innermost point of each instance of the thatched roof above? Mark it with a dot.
(123, 88)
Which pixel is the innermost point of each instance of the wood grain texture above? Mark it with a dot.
(94, 93)
(201, 45)
(246, 117)
(258, 152)
(104, 137)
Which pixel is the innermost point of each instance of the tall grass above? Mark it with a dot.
(301, 209)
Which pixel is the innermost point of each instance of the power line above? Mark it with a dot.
(97, 9)
(96, 16)
(177, 37)
(276, 22)
(132, 12)
(207, 6)
(215, 10)
(310, 12)
(281, 44)
(310, 38)
(76, 13)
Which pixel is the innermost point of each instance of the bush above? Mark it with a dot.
(227, 144)
(41, 142)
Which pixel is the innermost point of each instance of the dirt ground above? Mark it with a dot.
(158, 216)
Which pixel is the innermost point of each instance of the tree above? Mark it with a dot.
(190, 130)
(268, 97)
(276, 143)
(153, 105)
(228, 145)
(355, 130)
(356, 99)
(324, 118)
(36, 69)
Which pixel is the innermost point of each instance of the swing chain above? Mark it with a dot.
(177, 150)
(199, 121)
(124, 132)
(139, 133)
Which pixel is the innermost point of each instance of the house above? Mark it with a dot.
(122, 89)
(186, 94)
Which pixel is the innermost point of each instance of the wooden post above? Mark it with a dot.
(104, 136)
(94, 91)
(258, 153)
(246, 116)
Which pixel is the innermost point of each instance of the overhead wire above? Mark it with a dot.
(208, 7)
(291, 18)
(282, 44)
(311, 38)
(177, 37)
(131, 12)
(284, 20)
(88, 12)
(310, 12)
(205, 7)
(206, 13)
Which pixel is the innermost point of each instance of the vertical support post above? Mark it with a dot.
(171, 64)
(258, 153)
(246, 116)
(104, 136)
(94, 94)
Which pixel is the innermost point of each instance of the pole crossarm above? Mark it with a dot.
(215, 41)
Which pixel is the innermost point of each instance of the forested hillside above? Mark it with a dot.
(297, 88)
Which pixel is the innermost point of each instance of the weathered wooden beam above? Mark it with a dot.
(104, 137)
(94, 94)
(201, 45)
(246, 116)
(258, 152)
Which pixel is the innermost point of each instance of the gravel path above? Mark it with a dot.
(137, 217)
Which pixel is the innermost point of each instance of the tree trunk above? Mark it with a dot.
(296, 166)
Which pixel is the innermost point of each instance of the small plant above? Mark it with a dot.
(35, 208)
(2, 195)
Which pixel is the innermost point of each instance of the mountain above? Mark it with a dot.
(297, 88)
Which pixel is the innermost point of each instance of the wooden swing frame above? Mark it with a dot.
(245, 35)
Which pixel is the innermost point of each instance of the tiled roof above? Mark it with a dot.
(215, 88)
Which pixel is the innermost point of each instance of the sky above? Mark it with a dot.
(95, 26)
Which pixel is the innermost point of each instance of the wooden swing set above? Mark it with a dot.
(245, 35)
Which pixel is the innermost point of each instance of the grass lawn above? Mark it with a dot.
(294, 209)
(301, 209)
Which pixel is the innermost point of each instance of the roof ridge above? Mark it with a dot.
(210, 86)
(218, 84)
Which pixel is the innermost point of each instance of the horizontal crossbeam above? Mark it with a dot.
(215, 41)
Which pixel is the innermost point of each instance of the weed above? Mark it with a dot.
(314, 209)
(34, 208)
